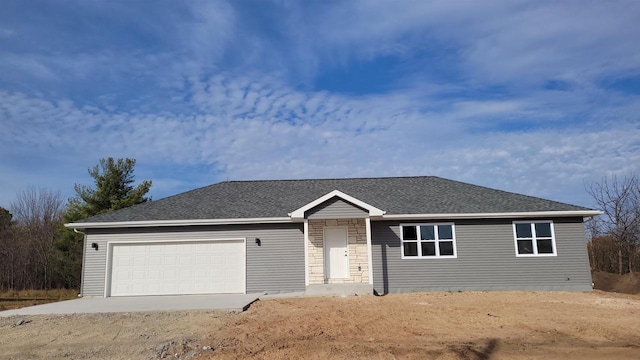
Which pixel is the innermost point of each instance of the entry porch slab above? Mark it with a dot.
(338, 289)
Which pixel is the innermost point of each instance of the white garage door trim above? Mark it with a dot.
(110, 244)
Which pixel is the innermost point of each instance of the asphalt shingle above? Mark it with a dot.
(277, 198)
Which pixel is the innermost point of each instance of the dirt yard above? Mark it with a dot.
(467, 325)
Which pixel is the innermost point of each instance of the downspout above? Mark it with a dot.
(84, 251)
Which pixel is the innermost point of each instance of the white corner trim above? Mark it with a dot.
(299, 213)
(84, 255)
(367, 223)
(150, 223)
(306, 252)
(532, 214)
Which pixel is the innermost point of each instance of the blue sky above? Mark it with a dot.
(534, 97)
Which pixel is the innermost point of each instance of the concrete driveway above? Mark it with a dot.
(140, 303)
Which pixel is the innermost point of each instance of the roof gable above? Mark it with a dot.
(299, 213)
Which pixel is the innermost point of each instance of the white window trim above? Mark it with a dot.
(535, 238)
(437, 256)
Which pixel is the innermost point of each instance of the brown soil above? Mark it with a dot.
(627, 283)
(108, 336)
(467, 325)
(470, 325)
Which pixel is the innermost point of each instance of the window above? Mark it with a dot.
(534, 238)
(428, 241)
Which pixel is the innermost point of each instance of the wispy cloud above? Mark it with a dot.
(249, 130)
(491, 41)
(502, 94)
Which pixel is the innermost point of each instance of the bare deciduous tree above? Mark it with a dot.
(619, 199)
(7, 250)
(38, 214)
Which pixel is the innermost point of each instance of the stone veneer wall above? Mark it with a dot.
(357, 234)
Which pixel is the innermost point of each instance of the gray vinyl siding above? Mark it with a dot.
(93, 268)
(336, 208)
(486, 260)
(275, 266)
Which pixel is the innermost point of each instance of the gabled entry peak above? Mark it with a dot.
(299, 214)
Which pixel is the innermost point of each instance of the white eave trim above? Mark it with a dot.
(151, 223)
(510, 215)
(299, 213)
(375, 213)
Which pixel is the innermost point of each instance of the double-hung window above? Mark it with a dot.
(534, 238)
(428, 241)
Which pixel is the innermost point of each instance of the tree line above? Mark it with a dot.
(36, 250)
(615, 235)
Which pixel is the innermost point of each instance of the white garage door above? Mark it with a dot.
(178, 268)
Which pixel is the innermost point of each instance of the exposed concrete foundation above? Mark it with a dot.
(339, 290)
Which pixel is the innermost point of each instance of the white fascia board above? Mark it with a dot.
(150, 223)
(299, 213)
(532, 214)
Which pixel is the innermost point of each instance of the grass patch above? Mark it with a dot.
(15, 299)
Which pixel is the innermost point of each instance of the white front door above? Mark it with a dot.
(336, 253)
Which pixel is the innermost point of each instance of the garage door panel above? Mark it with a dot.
(178, 268)
(203, 259)
(154, 275)
(123, 260)
(155, 260)
(140, 249)
(124, 275)
(169, 288)
(200, 271)
(170, 274)
(160, 249)
(184, 275)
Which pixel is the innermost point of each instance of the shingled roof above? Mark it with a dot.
(277, 198)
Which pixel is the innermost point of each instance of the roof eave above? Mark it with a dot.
(528, 214)
(164, 223)
(281, 220)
